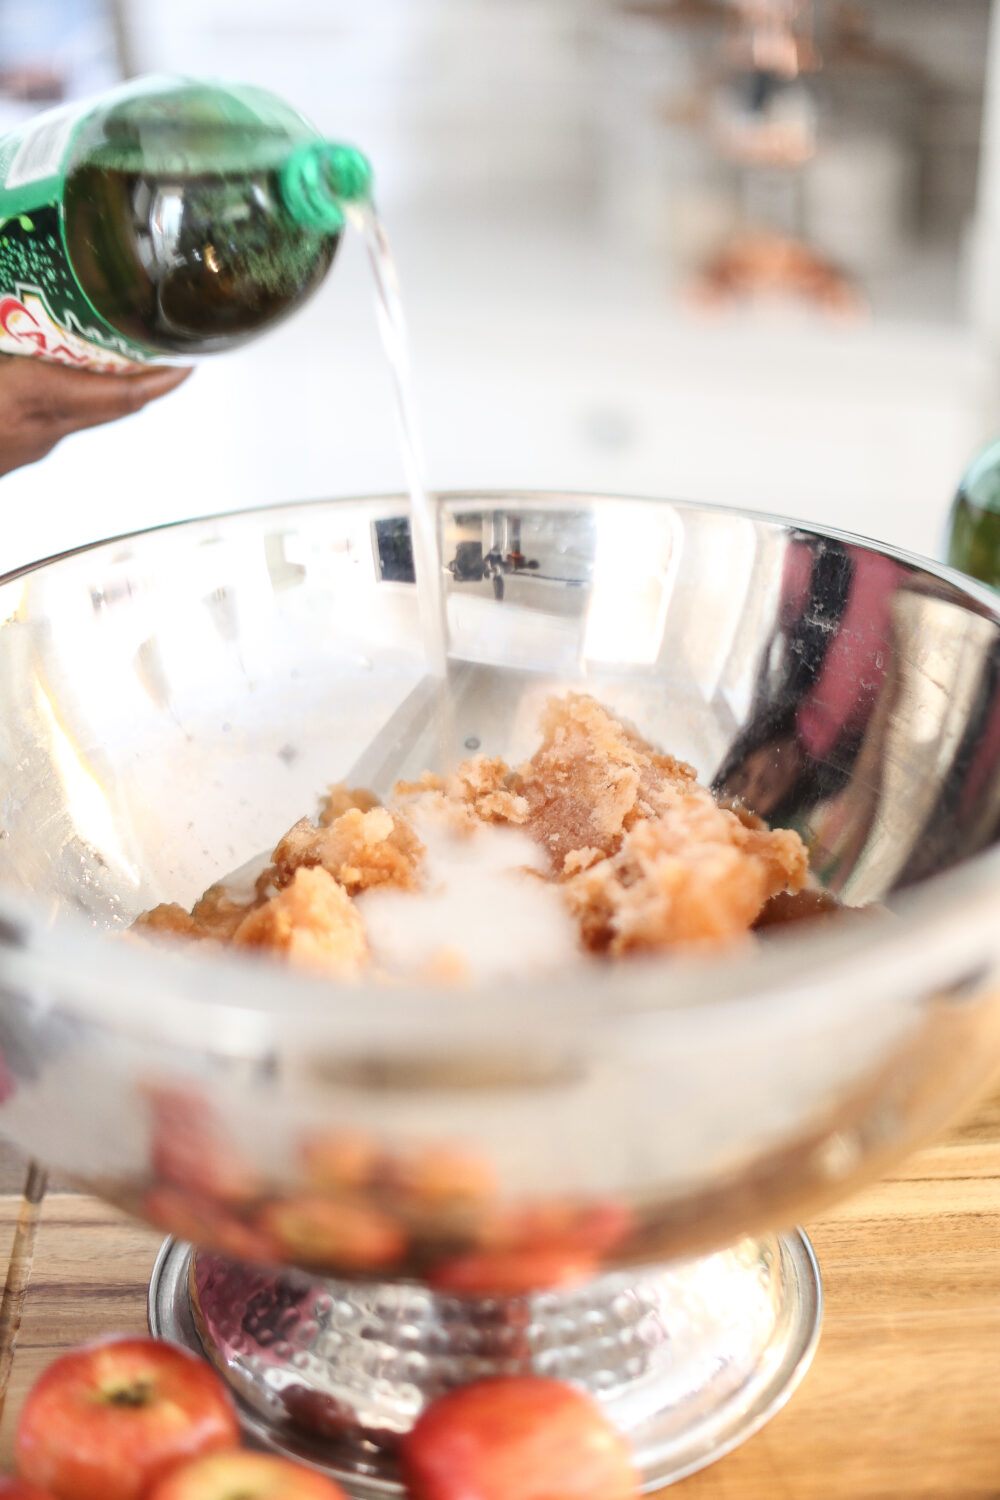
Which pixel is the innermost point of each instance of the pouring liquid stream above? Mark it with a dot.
(423, 505)
(428, 709)
(429, 706)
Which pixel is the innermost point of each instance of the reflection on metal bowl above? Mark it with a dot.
(171, 702)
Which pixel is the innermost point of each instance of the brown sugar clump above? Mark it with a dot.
(359, 849)
(217, 914)
(216, 917)
(312, 921)
(645, 858)
(428, 781)
(167, 920)
(482, 789)
(592, 779)
(488, 787)
(697, 875)
(340, 799)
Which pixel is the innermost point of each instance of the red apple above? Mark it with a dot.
(190, 1149)
(336, 1160)
(598, 1227)
(106, 1421)
(245, 1476)
(445, 1177)
(526, 1249)
(12, 1488)
(204, 1223)
(516, 1438)
(511, 1273)
(336, 1234)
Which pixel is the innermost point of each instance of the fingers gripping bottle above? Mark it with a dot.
(169, 218)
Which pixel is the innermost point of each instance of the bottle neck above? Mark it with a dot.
(318, 180)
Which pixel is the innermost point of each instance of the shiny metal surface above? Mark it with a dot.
(171, 702)
(688, 1360)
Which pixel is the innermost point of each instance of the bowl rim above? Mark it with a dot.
(229, 1002)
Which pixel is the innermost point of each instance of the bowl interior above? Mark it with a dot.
(171, 702)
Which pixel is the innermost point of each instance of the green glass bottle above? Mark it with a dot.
(169, 218)
(973, 538)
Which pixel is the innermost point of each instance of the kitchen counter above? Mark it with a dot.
(901, 1399)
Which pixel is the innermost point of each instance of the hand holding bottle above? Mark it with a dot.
(171, 218)
(41, 403)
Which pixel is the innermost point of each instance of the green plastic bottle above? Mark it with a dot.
(169, 218)
(973, 537)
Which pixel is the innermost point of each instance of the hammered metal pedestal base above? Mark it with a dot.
(688, 1360)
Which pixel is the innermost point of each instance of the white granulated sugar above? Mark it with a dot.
(479, 904)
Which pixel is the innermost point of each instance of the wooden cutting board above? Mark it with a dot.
(902, 1402)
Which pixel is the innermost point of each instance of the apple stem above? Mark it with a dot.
(139, 1393)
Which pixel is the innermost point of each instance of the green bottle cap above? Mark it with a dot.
(319, 178)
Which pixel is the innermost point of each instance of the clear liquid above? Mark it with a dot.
(424, 509)
(428, 709)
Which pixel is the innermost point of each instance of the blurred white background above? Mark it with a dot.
(548, 198)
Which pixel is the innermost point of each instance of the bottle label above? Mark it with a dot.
(44, 312)
(37, 152)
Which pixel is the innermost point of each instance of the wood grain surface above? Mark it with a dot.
(902, 1402)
